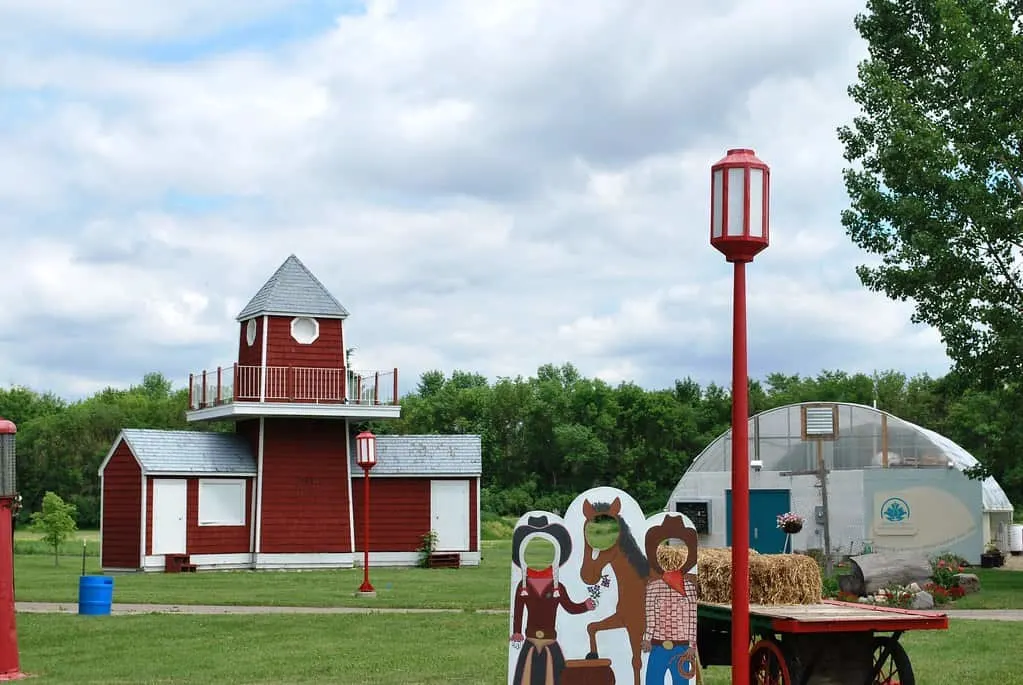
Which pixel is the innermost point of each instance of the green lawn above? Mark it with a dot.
(377, 649)
(485, 587)
(36, 579)
(998, 590)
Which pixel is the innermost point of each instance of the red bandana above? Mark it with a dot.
(540, 573)
(675, 581)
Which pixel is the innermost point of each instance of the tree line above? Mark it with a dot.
(545, 438)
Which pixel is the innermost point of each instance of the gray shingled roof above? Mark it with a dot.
(293, 291)
(184, 452)
(426, 455)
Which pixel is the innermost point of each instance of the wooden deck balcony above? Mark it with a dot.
(292, 385)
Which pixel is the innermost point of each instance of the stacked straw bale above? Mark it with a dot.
(774, 578)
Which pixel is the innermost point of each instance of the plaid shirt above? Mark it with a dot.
(669, 614)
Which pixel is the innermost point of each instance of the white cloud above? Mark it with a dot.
(486, 186)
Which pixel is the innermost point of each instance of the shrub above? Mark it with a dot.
(944, 569)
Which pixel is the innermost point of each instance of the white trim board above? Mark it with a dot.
(304, 561)
(409, 559)
(251, 410)
(434, 476)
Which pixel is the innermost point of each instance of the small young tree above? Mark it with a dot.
(56, 522)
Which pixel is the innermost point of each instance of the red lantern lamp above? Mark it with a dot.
(740, 191)
(366, 450)
(365, 457)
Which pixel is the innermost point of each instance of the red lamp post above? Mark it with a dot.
(10, 668)
(366, 457)
(740, 185)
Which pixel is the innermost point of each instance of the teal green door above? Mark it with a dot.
(765, 506)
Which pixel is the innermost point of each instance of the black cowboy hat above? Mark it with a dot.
(541, 524)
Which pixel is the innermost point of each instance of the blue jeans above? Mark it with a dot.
(661, 660)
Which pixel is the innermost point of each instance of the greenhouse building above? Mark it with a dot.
(862, 480)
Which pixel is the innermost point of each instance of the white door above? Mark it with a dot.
(170, 506)
(449, 509)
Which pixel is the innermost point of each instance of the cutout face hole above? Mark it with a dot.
(601, 532)
(672, 555)
(539, 553)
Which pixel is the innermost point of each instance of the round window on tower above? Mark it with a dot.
(305, 330)
(250, 332)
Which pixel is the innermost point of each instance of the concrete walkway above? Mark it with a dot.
(207, 609)
(987, 614)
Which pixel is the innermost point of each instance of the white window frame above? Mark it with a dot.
(209, 520)
(315, 331)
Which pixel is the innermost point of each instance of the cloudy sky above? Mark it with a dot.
(485, 186)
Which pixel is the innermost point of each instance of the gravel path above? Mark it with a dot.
(206, 609)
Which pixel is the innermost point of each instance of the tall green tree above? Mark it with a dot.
(936, 182)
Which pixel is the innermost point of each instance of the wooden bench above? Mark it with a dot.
(445, 560)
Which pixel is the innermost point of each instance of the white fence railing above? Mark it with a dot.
(310, 385)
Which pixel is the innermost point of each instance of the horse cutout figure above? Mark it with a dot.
(619, 612)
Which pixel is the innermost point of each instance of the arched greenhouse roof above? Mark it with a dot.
(867, 438)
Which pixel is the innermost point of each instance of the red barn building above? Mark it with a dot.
(278, 492)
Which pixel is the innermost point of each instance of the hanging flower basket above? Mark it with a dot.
(790, 523)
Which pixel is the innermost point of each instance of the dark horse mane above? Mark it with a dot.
(627, 543)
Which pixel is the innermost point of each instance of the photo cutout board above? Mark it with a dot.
(602, 595)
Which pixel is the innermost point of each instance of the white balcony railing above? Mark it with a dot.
(240, 383)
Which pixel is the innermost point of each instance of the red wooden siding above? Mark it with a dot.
(251, 355)
(217, 539)
(327, 352)
(305, 487)
(122, 510)
(399, 513)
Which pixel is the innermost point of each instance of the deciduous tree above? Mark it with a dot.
(936, 182)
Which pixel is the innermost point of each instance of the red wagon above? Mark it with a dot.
(830, 643)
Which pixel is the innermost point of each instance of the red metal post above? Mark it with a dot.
(220, 395)
(191, 385)
(740, 484)
(10, 668)
(376, 388)
(204, 388)
(394, 396)
(366, 586)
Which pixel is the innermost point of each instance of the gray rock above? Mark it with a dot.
(969, 582)
(864, 600)
(922, 600)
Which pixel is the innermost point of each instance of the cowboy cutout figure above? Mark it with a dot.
(541, 595)
(670, 635)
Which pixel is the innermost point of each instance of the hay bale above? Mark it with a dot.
(672, 558)
(774, 578)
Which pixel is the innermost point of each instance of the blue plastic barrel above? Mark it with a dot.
(95, 595)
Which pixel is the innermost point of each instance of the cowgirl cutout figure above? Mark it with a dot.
(540, 594)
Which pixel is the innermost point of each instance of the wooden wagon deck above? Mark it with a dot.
(831, 617)
(829, 643)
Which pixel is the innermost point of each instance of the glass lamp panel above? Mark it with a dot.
(718, 202)
(736, 201)
(756, 203)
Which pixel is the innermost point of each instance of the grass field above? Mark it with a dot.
(378, 649)
(371, 649)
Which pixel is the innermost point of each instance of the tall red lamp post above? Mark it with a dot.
(365, 457)
(740, 185)
(10, 668)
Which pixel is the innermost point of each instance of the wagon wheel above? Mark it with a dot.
(891, 663)
(768, 665)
